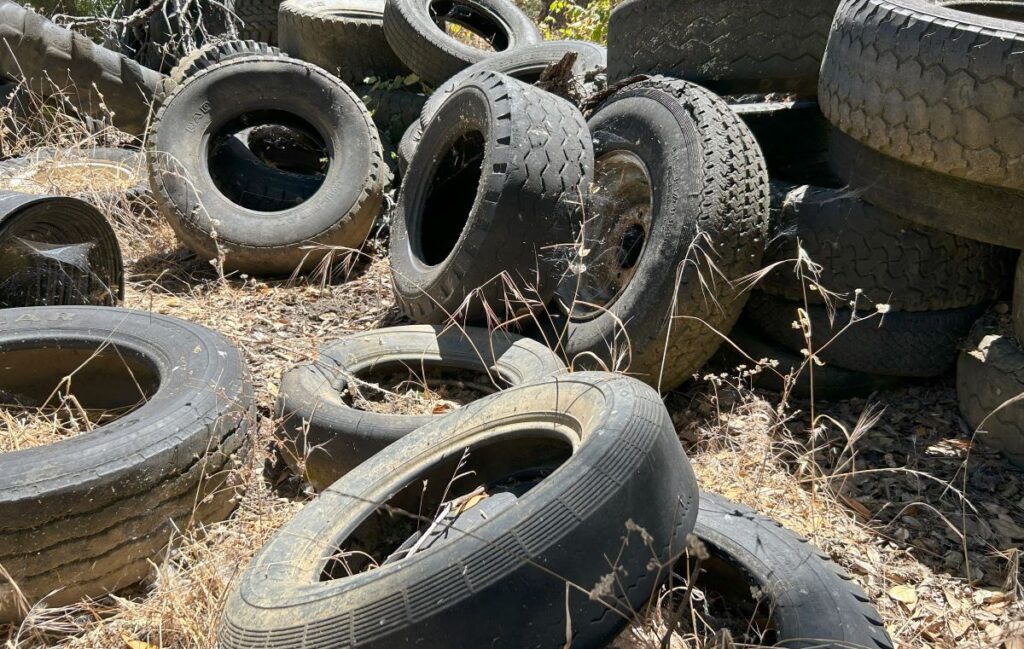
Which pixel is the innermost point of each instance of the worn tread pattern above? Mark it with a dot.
(990, 373)
(538, 169)
(919, 344)
(859, 246)
(211, 54)
(345, 37)
(812, 601)
(93, 78)
(259, 19)
(756, 45)
(929, 85)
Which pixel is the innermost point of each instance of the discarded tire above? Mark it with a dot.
(1018, 302)
(393, 109)
(809, 600)
(211, 54)
(603, 460)
(793, 135)
(244, 178)
(258, 18)
(56, 250)
(415, 29)
(909, 344)
(487, 203)
(789, 373)
(931, 84)
(52, 59)
(990, 385)
(237, 92)
(344, 37)
(88, 515)
(102, 174)
(639, 298)
(892, 261)
(966, 209)
(527, 64)
(327, 435)
(755, 46)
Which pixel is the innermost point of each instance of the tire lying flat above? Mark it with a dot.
(127, 166)
(338, 215)
(85, 516)
(990, 385)
(417, 34)
(618, 459)
(326, 437)
(811, 601)
(502, 255)
(660, 323)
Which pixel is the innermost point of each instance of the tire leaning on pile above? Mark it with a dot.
(88, 515)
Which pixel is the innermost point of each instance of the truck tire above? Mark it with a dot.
(259, 19)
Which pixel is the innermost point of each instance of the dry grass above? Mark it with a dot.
(893, 488)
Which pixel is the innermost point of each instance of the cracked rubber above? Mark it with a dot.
(1018, 301)
(91, 77)
(536, 169)
(339, 214)
(85, 516)
(326, 437)
(919, 344)
(344, 37)
(810, 601)
(730, 47)
(417, 38)
(526, 63)
(714, 199)
(859, 246)
(989, 374)
(626, 471)
(931, 86)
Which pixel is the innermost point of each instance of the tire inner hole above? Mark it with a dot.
(469, 25)
(268, 160)
(449, 499)
(53, 392)
(451, 195)
(418, 388)
(1002, 9)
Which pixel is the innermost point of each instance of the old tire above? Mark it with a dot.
(933, 86)
(54, 60)
(87, 515)
(698, 184)
(859, 246)
(326, 437)
(626, 471)
(344, 37)
(754, 46)
(793, 135)
(788, 372)
(811, 602)
(989, 377)
(966, 209)
(127, 165)
(258, 18)
(57, 250)
(516, 201)
(1018, 302)
(919, 344)
(339, 214)
(527, 64)
(211, 54)
(417, 34)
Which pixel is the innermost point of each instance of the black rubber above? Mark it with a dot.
(709, 204)
(931, 84)
(339, 214)
(963, 208)
(859, 246)
(325, 436)
(87, 515)
(56, 250)
(526, 63)
(211, 54)
(789, 374)
(793, 136)
(731, 47)
(989, 376)
(921, 344)
(490, 202)
(129, 164)
(811, 602)
(258, 18)
(625, 472)
(344, 37)
(97, 81)
(1018, 301)
(415, 29)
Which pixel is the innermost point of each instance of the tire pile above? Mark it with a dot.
(862, 159)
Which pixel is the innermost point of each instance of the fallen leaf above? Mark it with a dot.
(905, 594)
